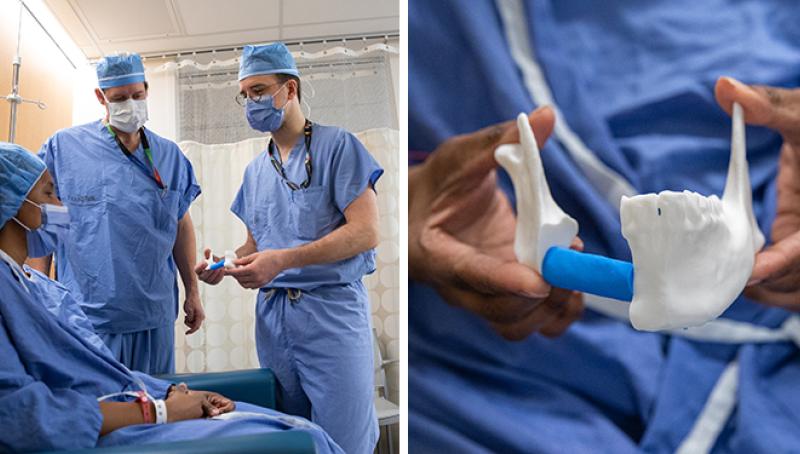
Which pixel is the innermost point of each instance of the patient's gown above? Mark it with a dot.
(51, 376)
(634, 81)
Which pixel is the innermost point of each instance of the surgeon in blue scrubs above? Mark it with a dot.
(129, 191)
(637, 86)
(60, 386)
(309, 204)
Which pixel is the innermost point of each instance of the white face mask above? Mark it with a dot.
(127, 116)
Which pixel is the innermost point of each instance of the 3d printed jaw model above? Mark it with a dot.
(226, 262)
(692, 254)
(544, 231)
(541, 223)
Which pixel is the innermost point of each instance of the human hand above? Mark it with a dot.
(212, 277)
(221, 403)
(461, 236)
(183, 404)
(195, 314)
(258, 269)
(776, 274)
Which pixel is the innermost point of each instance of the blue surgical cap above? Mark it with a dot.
(116, 70)
(268, 59)
(19, 171)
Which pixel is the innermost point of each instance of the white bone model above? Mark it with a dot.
(541, 223)
(228, 259)
(692, 255)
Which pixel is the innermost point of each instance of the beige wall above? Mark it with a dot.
(45, 75)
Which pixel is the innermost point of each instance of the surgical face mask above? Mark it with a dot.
(129, 115)
(263, 115)
(55, 223)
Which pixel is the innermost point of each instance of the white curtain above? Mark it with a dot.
(356, 93)
(226, 340)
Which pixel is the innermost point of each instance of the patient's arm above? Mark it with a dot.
(117, 415)
(182, 404)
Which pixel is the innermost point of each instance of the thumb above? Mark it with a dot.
(207, 253)
(776, 259)
(200, 267)
(246, 260)
(208, 408)
(773, 107)
(474, 152)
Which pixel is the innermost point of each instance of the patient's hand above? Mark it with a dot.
(220, 402)
(183, 404)
(461, 237)
(776, 273)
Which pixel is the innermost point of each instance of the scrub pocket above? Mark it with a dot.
(156, 234)
(88, 206)
(165, 212)
(312, 212)
(271, 214)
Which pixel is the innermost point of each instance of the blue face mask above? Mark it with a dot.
(55, 223)
(263, 115)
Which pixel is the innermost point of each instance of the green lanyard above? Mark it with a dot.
(143, 138)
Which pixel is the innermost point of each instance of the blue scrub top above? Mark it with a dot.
(118, 254)
(279, 217)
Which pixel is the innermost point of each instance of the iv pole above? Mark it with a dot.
(14, 98)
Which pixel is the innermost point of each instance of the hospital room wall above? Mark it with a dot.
(45, 75)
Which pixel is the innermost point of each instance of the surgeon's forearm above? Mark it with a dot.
(41, 264)
(185, 253)
(117, 415)
(249, 246)
(358, 234)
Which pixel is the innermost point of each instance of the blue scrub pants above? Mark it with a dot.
(151, 351)
(319, 344)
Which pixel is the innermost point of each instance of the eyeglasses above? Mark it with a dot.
(135, 97)
(259, 92)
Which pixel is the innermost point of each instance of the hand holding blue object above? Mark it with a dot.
(544, 231)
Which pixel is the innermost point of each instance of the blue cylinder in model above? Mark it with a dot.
(588, 273)
(217, 265)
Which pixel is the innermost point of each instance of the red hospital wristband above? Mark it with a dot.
(147, 413)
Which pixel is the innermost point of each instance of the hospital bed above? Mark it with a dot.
(254, 386)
